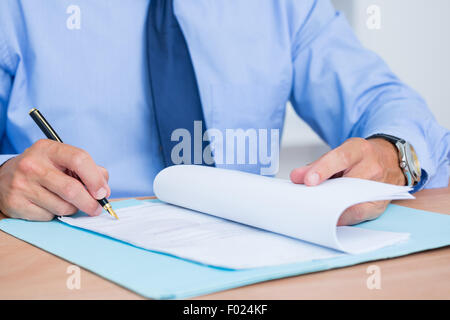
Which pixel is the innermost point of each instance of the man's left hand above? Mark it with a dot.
(373, 159)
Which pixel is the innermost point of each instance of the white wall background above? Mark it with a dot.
(414, 39)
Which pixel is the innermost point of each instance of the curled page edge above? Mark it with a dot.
(214, 190)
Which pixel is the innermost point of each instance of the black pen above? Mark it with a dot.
(52, 135)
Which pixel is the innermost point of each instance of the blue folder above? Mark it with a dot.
(161, 276)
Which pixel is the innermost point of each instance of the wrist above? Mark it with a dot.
(389, 158)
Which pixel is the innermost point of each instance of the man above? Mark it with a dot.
(93, 70)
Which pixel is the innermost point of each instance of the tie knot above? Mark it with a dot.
(161, 15)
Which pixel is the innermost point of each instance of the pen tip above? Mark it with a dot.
(111, 212)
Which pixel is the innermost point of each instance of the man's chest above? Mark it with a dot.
(94, 53)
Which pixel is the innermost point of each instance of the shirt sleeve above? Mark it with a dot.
(6, 78)
(343, 90)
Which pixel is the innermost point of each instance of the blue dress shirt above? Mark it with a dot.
(83, 63)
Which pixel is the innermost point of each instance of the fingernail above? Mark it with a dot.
(101, 193)
(313, 179)
(98, 211)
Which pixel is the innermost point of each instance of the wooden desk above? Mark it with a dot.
(27, 272)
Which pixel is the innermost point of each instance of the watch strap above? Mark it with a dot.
(399, 144)
(391, 139)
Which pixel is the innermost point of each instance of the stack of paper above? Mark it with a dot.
(239, 220)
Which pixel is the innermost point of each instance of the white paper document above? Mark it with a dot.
(238, 220)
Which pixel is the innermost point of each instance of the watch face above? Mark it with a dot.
(413, 161)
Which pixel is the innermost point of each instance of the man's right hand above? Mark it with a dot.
(35, 186)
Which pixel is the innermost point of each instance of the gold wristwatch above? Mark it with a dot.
(408, 161)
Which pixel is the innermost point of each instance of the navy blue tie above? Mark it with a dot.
(176, 98)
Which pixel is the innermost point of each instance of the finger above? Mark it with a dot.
(19, 207)
(335, 161)
(33, 212)
(51, 202)
(71, 190)
(369, 170)
(298, 174)
(104, 172)
(80, 162)
(362, 212)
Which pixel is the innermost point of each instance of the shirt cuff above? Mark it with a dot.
(422, 182)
